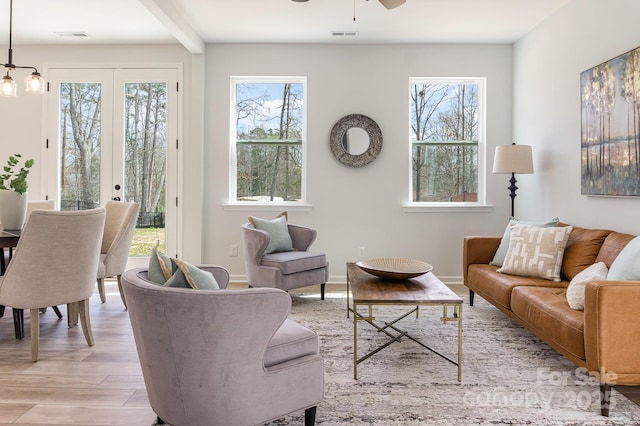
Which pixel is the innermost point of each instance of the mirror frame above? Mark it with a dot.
(340, 129)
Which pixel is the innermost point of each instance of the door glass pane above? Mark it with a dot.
(80, 126)
(145, 169)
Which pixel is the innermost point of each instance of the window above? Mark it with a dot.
(447, 140)
(268, 140)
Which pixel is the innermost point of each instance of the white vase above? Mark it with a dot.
(13, 207)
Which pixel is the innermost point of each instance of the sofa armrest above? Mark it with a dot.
(611, 331)
(478, 250)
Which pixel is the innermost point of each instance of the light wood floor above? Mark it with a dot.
(74, 384)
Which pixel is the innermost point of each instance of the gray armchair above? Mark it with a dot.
(284, 270)
(222, 357)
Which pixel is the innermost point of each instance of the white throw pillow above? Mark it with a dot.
(535, 251)
(575, 291)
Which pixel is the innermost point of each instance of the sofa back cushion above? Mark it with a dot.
(582, 249)
(612, 246)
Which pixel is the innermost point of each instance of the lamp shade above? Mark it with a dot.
(513, 159)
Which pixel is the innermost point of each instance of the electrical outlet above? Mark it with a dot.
(361, 251)
(233, 250)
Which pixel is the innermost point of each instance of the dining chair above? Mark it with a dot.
(55, 263)
(119, 227)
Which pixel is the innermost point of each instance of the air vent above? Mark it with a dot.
(345, 33)
(72, 34)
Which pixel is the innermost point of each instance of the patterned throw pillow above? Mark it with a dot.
(498, 257)
(279, 238)
(575, 291)
(535, 251)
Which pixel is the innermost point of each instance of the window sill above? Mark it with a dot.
(271, 207)
(447, 208)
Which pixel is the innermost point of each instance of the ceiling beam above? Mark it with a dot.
(176, 23)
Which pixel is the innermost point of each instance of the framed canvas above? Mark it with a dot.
(610, 131)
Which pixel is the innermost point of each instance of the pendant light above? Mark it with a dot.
(34, 82)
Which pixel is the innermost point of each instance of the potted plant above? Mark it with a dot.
(13, 192)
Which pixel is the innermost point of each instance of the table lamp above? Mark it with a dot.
(513, 159)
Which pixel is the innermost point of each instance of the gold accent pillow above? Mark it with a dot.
(536, 252)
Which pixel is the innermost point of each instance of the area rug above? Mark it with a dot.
(509, 376)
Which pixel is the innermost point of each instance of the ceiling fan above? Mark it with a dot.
(389, 4)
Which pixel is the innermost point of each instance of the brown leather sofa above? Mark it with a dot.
(604, 338)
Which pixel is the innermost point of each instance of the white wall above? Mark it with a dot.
(547, 67)
(357, 207)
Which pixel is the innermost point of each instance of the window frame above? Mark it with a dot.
(233, 201)
(440, 206)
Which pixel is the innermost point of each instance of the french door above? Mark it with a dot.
(111, 136)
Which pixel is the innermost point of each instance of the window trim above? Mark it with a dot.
(233, 203)
(440, 206)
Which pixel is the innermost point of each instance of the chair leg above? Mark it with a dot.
(103, 297)
(1, 311)
(72, 314)
(57, 311)
(18, 323)
(310, 416)
(83, 308)
(159, 421)
(322, 291)
(471, 294)
(34, 321)
(124, 302)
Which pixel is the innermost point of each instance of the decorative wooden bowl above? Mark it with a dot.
(394, 269)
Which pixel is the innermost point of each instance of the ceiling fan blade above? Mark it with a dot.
(391, 4)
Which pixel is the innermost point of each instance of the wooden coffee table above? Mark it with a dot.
(425, 290)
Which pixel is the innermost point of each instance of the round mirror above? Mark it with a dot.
(356, 140)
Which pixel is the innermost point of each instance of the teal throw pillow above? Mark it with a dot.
(501, 253)
(279, 238)
(160, 268)
(626, 267)
(190, 276)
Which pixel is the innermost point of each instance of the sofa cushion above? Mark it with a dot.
(535, 251)
(582, 249)
(612, 246)
(547, 312)
(291, 341)
(497, 288)
(292, 262)
(498, 258)
(627, 263)
(575, 291)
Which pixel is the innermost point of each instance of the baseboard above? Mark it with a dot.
(338, 283)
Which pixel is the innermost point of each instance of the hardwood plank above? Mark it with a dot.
(87, 415)
(10, 412)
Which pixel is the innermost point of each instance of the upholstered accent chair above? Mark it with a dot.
(285, 270)
(55, 263)
(119, 227)
(222, 357)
